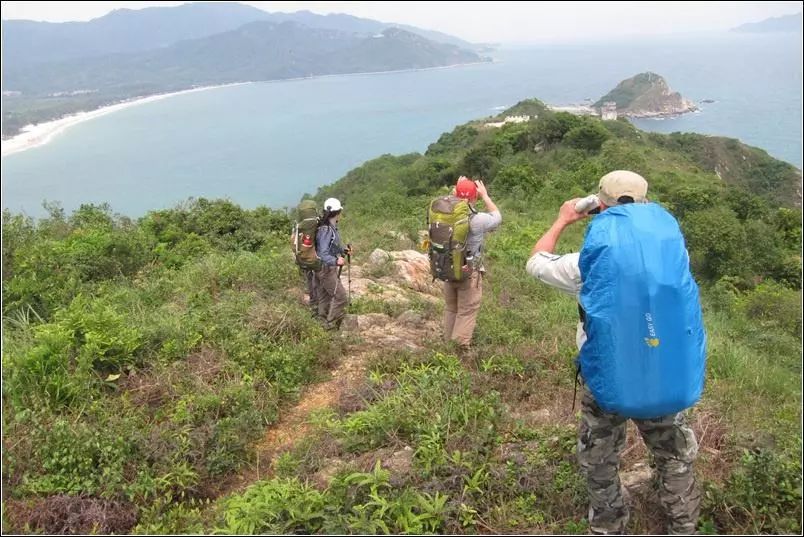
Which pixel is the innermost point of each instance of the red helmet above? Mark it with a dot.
(466, 188)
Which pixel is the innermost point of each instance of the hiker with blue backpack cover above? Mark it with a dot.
(641, 341)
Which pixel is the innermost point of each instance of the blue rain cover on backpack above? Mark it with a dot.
(646, 349)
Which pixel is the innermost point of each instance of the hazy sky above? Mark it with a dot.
(486, 21)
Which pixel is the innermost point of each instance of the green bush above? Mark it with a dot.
(85, 343)
(519, 181)
(78, 458)
(716, 241)
(276, 506)
(589, 137)
(773, 305)
(763, 495)
(551, 128)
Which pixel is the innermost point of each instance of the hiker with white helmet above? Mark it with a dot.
(332, 297)
(641, 344)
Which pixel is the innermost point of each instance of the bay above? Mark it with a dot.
(268, 143)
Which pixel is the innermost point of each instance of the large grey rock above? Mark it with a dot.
(378, 257)
(410, 318)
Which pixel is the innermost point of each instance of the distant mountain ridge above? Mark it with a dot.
(350, 23)
(54, 69)
(127, 30)
(121, 31)
(256, 51)
(785, 23)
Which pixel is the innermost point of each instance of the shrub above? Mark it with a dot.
(763, 495)
(589, 137)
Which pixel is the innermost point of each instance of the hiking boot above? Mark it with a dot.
(468, 354)
(333, 326)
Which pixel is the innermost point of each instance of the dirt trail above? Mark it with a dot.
(372, 333)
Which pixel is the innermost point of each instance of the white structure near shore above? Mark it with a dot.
(608, 112)
(510, 119)
(578, 110)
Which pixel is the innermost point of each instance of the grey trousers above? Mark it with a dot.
(332, 297)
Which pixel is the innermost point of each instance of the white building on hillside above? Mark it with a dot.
(509, 119)
(608, 111)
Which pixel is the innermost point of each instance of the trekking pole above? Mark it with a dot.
(349, 269)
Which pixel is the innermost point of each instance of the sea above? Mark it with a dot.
(268, 143)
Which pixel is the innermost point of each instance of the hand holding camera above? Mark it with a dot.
(569, 213)
(588, 204)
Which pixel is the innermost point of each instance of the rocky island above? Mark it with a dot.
(643, 95)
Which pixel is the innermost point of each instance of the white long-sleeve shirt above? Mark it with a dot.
(561, 272)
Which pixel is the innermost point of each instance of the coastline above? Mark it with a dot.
(32, 136)
(586, 110)
(39, 134)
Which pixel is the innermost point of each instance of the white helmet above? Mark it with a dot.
(332, 205)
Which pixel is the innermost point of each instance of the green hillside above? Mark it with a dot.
(163, 376)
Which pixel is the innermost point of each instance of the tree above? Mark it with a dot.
(589, 136)
(716, 241)
(519, 180)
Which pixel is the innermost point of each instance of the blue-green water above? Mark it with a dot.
(268, 143)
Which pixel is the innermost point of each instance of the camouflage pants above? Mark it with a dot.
(601, 438)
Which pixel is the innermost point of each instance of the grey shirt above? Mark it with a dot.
(479, 225)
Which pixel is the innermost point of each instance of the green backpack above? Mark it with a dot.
(304, 235)
(448, 230)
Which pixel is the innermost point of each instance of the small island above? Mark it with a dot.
(641, 96)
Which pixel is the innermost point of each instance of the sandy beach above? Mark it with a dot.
(35, 135)
(40, 134)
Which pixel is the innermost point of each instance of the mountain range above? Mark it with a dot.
(260, 50)
(54, 69)
(785, 23)
(127, 30)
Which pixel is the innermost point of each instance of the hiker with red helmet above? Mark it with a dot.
(463, 279)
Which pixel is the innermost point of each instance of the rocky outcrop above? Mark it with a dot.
(646, 95)
(382, 331)
(401, 279)
(394, 277)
